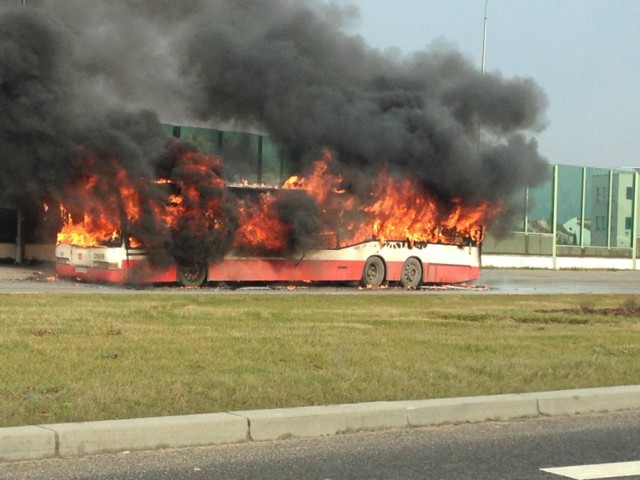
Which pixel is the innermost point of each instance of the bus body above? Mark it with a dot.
(370, 263)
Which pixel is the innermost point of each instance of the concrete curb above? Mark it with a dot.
(422, 413)
(26, 443)
(72, 439)
(324, 420)
(148, 433)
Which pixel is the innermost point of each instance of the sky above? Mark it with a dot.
(585, 54)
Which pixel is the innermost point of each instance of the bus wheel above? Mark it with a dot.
(411, 273)
(373, 273)
(192, 275)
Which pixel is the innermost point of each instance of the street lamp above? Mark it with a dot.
(484, 36)
(484, 58)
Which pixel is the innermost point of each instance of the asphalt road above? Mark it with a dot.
(492, 281)
(490, 450)
(560, 281)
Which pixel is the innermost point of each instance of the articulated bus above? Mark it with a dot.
(370, 263)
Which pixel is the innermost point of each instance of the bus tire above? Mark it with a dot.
(411, 273)
(192, 275)
(373, 273)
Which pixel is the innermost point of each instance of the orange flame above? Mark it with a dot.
(89, 232)
(260, 228)
(102, 210)
(397, 209)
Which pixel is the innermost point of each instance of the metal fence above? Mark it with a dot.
(248, 157)
(577, 212)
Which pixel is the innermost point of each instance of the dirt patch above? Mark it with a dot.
(630, 308)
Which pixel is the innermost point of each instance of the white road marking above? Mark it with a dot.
(597, 471)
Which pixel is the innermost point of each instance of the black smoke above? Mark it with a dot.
(50, 129)
(207, 218)
(430, 115)
(84, 83)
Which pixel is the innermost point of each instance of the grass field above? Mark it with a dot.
(79, 357)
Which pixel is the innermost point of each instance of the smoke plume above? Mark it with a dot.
(288, 67)
(84, 85)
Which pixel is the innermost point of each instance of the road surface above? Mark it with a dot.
(42, 278)
(521, 450)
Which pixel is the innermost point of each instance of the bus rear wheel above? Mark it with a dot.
(192, 275)
(373, 273)
(411, 273)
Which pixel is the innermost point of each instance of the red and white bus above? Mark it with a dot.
(397, 239)
(370, 263)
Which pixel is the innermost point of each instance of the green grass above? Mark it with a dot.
(78, 357)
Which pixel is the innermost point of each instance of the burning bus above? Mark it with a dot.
(428, 149)
(189, 226)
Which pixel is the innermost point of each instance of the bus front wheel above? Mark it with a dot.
(373, 273)
(192, 275)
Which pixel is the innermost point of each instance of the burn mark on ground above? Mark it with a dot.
(629, 308)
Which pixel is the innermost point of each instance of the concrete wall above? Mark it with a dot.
(519, 243)
(535, 250)
(44, 253)
(7, 251)
(40, 253)
(559, 263)
(597, 252)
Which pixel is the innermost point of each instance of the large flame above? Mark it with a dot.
(91, 231)
(102, 207)
(260, 229)
(396, 209)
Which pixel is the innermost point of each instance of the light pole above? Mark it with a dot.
(484, 59)
(484, 35)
